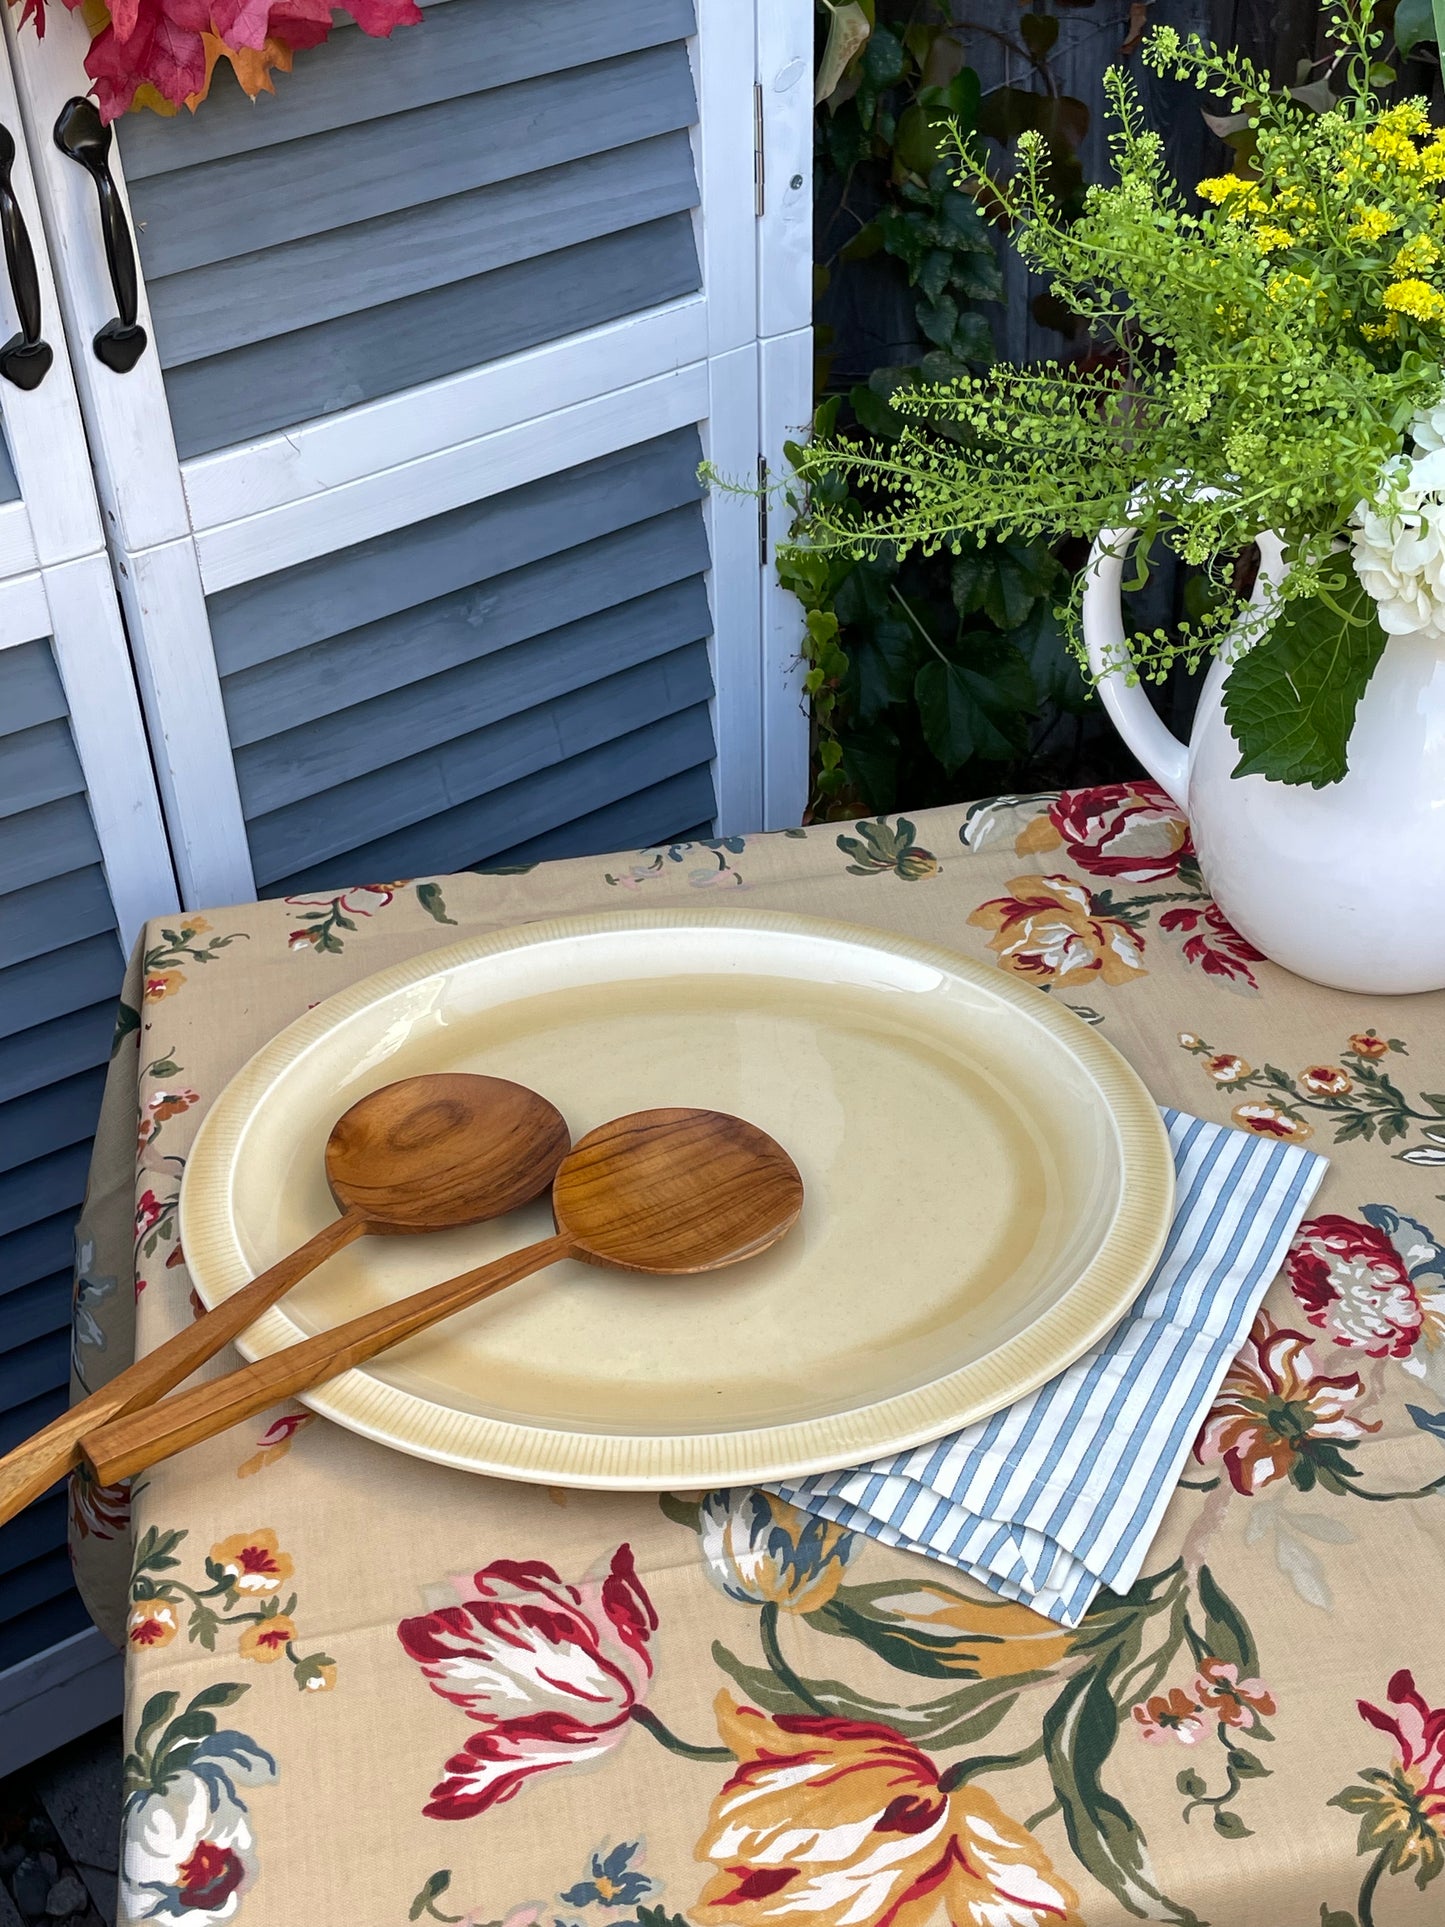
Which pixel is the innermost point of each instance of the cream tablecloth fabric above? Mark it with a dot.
(365, 1691)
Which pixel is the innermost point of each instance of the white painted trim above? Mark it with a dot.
(17, 541)
(785, 233)
(325, 454)
(110, 740)
(126, 416)
(55, 1696)
(724, 65)
(785, 407)
(24, 611)
(160, 591)
(43, 427)
(394, 497)
(730, 442)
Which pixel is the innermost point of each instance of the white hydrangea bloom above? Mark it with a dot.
(1399, 540)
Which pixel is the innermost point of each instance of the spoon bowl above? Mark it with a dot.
(431, 1153)
(670, 1192)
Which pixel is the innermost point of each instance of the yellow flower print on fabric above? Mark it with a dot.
(761, 1549)
(253, 1563)
(842, 1823)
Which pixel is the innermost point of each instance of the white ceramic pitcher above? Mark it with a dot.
(1344, 885)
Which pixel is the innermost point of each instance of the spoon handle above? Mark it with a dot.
(47, 1456)
(119, 1450)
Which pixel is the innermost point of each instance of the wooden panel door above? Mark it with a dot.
(403, 492)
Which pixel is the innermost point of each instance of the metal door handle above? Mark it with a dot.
(82, 136)
(25, 359)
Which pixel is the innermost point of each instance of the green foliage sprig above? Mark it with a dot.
(1267, 354)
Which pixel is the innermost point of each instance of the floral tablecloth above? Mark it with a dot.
(364, 1691)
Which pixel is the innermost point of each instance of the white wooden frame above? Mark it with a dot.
(57, 517)
(785, 385)
(71, 596)
(74, 605)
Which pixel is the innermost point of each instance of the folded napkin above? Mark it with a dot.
(1060, 1495)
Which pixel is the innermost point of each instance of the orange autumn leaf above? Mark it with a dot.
(253, 67)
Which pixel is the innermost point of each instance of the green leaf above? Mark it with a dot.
(682, 1512)
(1230, 1825)
(977, 277)
(874, 413)
(760, 1683)
(429, 896)
(127, 1023)
(1057, 678)
(1335, 1917)
(1017, 583)
(967, 711)
(1079, 1732)
(1225, 1632)
(948, 712)
(153, 1553)
(158, 1707)
(1245, 1765)
(884, 662)
(1416, 20)
(1290, 701)
(226, 1694)
(884, 59)
(934, 272)
(939, 319)
(918, 143)
(1190, 1784)
(848, 31)
(973, 340)
(436, 1884)
(1039, 31)
(870, 758)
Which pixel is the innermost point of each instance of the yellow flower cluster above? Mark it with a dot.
(1415, 298)
(1418, 256)
(1219, 187)
(1372, 223)
(1389, 171)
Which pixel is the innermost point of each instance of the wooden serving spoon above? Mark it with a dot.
(662, 1192)
(427, 1154)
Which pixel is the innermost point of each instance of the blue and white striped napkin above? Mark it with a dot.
(1062, 1494)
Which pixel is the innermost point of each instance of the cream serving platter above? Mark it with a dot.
(989, 1185)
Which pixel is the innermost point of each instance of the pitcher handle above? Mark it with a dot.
(1130, 710)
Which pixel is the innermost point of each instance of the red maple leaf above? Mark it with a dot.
(163, 46)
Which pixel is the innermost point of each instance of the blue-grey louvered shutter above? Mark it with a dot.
(60, 970)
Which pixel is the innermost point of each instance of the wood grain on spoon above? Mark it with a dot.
(426, 1154)
(667, 1192)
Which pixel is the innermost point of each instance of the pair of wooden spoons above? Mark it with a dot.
(664, 1192)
